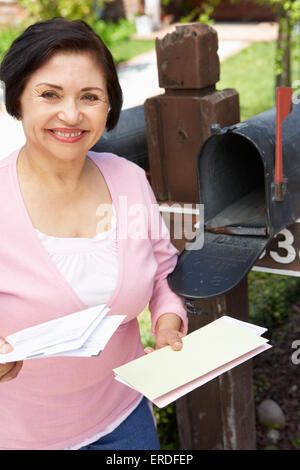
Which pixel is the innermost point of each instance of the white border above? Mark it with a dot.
(283, 272)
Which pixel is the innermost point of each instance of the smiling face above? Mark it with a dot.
(64, 106)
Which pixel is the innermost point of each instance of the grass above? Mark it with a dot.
(145, 326)
(252, 73)
(130, 48)
(7, 35)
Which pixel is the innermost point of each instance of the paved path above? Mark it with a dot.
(139, 79)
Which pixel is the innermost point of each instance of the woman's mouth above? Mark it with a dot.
(67, 135)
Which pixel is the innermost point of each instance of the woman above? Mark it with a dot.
(62, 250)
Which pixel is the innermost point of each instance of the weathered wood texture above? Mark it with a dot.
(220, 414)
(179, 121)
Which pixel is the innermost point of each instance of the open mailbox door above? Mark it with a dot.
(249, 183)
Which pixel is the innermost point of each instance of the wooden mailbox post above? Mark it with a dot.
(220, 414)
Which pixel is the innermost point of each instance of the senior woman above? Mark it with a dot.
(62, 250)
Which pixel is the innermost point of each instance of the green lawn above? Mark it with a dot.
(251, 73)
(130, 48)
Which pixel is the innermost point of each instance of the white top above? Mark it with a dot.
(90, 265)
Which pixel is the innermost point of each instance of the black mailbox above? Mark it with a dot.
(128, 139)
(247, 199)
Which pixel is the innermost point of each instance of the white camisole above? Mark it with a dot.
(90, 265)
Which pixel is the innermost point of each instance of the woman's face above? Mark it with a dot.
(64, 106)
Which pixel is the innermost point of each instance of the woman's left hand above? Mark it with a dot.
(167, 337)
(168, 333)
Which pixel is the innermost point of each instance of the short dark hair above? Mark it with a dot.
(42, 40)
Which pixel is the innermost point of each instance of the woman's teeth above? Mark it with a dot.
(67, 134)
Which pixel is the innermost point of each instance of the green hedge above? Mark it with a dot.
(271, 297)
(7, 36)
(117, 37)
(111, 33)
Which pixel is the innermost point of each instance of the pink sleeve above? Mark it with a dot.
(163, 299)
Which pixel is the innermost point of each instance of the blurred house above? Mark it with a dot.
(10, 12)
(245, 10)
(147, 13)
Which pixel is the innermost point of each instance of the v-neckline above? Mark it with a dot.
(42, 250)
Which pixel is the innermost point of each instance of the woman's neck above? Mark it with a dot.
(53, 174)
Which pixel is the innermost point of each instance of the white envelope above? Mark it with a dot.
(81, 333)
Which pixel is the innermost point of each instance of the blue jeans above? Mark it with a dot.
(136, 432)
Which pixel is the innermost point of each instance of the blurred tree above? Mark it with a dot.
(288, 16)
(75, 9)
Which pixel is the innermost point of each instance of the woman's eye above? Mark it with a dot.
(91, 97)
(49, 95)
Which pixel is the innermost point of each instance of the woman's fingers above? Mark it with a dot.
(169, 337)
(175, 341)
(5, 347)
(10, 371)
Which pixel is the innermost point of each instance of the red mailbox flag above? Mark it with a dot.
(283, 108)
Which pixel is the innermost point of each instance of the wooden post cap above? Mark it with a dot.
(187, 58)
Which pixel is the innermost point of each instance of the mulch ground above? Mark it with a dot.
(276, 377)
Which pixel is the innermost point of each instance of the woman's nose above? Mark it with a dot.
(69, 112)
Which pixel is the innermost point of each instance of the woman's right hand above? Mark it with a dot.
(10, 370)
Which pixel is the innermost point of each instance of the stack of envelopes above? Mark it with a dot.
(83, 333)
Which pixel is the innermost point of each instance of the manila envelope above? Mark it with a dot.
(166, 375)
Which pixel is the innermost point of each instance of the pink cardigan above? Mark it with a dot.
(57, 402)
